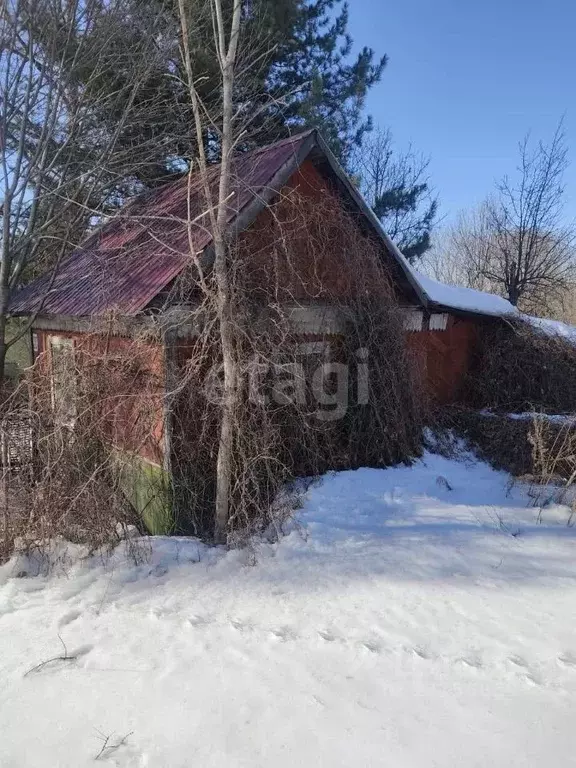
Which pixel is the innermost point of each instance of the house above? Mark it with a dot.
(106, 297)
(445, 336)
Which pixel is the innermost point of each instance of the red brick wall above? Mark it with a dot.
(131, 377)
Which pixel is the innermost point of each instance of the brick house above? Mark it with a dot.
(108, 293)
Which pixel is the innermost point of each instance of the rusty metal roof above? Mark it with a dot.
(128, 261)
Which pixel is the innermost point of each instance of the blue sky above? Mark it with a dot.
(466, 80)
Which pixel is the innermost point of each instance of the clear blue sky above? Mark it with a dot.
(466, 80)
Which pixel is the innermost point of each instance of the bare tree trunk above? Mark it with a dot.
(226, 50)
(3, 349)
(4, 298)
(226, 443)
(225, 448)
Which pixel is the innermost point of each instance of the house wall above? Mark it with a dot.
(127, 380)
(443, 358)
(321, 265)
(131, 397)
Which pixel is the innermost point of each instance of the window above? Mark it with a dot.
(63, 380)
(438, 322)
(413, 320)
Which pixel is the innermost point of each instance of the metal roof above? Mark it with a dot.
(130, 259)
(126, 263)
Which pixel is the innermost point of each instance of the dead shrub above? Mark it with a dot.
(309, 399)
(553, 442)
(68, 486)
(520, 369)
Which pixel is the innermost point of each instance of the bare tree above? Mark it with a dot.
(518, 243)
(226, 45)
(60, 164)
(534, 248)
(460, 252)
(397, 186)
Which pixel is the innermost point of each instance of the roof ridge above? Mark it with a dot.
(149, 194)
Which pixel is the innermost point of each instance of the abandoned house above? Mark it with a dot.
(107, 296)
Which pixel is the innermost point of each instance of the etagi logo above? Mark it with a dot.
(310, 379)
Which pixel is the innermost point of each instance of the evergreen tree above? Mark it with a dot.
(323, 86)
(296, 71)
(397, 187)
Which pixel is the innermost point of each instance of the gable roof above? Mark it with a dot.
(129, 260)
(132, 258)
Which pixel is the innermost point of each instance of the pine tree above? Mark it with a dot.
(297, 72)
(323, 86)
(397, 187)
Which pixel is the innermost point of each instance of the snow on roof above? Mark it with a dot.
(454, 296)
(466, 299)
(552, 327)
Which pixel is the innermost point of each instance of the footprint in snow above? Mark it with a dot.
(518, 661)
(158, 571)
(198, 621)
(422, 653)
(241, 626)
(567, 660)
(470, 661)
(371, 646)
(328, 636)
(284, 634)
(82, 650)
(533, 679)
(527, 674)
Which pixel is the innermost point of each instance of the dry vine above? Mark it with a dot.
(323, 381)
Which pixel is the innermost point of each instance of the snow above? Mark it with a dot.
(551, 418)
(453, 296)
(552, 327)
(467, 299)
(416, 616)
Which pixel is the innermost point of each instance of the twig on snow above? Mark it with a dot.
(107, 747)
(65, 657)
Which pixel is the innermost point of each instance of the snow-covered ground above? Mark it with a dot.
(419, 616)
